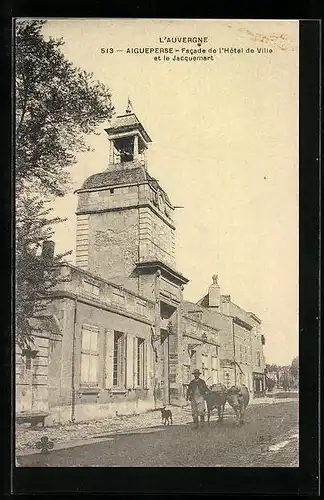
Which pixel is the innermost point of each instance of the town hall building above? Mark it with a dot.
(118, 336)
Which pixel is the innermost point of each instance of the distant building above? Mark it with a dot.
(242, 357)
(118, 336)
(239, 335)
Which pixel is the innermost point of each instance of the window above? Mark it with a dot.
(140, 362)
(245, 355)
(91, 289)
(186, 374)
(204, 365)
(258, 358)
(214, 367)
(193, 359)
(241, 353)
(89, 356)
(119, 360)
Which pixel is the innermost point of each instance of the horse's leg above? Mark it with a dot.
(219, 411)
(237, 414)
(208, 414)
(222, 414)
(242, 416)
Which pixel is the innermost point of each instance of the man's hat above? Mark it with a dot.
(198, 372)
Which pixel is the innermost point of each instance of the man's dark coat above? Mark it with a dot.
(201, 385)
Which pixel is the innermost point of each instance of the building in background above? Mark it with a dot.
(241, 341)
(118, 337)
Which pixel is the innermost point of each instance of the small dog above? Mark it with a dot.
(166, 416)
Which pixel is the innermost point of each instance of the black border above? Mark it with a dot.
(301, 481)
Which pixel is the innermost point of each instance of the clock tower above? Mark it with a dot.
(126, 234)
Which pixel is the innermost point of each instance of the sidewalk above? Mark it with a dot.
(74, 434)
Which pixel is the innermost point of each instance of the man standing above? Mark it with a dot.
(197, 390)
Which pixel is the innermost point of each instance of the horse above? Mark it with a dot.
(238, 398)
(216, 398)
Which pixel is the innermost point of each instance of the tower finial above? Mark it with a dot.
(215, 279)
(129, 106)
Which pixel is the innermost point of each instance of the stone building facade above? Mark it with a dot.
(241, 353)
(119, 337)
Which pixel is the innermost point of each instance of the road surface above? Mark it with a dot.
(269, 438)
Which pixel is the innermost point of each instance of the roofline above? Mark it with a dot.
(108, 186)
(240, 321)
(163, 267)
(167, 221)
(64, 294)
(201, 323)
(117, 186)
(139, 123)
(254, 316)
(206, 308)
(91, 275)
(128, 131)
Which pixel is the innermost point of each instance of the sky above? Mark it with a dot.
(225, 147)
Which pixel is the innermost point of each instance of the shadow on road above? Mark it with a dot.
(180, 445)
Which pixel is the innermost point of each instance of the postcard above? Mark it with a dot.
(157, 250)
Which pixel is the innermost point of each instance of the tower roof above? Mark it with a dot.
(127, 123)
(135, 173)
(132, 172)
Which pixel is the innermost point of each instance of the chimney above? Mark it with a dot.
(214, 293)
(48, 251)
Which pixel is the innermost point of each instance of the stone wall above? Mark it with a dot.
(205, 357)
(114, 250)
(133, 318)
(32, 377)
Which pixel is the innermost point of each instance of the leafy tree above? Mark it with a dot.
(273, 368)
(57, 105)
(35, 275)
(286, 379)
(270, 384)
(294, 368)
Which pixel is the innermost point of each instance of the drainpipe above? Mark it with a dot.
(234, 355)
(153, 364)
(169, 399)
(73, 360)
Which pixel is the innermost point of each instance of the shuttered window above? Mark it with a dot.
(186, 374)
(214, 366)
(119, 363)
(89, 356)
(140, 362)
(258, 358)
(204, 364)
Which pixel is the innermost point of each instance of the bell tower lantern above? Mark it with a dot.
(128, 140)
